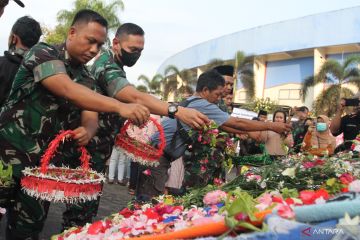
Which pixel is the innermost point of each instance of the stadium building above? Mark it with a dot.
(286, 53)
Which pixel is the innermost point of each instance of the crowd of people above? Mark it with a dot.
(47, 88)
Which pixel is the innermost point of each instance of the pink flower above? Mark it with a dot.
(253, 177)
(308, 165)
(354, 186)
(346, 178)
(285, 211)
(202, 168)
(147, 172)
(218, 181)
(2, 211)
(199, 138)
(214, 197)
(265, 201)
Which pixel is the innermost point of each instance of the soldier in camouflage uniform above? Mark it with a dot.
(48, 79)
(111, 80)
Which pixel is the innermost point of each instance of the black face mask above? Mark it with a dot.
(129, 59)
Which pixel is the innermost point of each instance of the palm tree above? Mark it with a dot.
(214, 63)
(245, 73)
(169, 85)
(188, 77)
(142, 88)
(334, 74)
(153, 84)
(65, 17)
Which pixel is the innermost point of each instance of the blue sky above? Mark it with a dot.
(174, 25)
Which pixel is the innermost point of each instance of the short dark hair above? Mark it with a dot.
(28, 30)
(225, 70)
(87, 16)
(279, 111)
(303, 109)
(210, 79)
(129, 29)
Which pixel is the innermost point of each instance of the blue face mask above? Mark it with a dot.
(320, 127)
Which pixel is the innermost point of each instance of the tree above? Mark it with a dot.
(187, 76)
(153, 84)
(142, 88)
(245, 73)
(335, 75)
(65, 17)
(214, 63)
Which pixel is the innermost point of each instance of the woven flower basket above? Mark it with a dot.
(61, 184)
(141, 152)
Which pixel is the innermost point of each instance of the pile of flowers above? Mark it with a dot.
(296, 171)
(212, 150)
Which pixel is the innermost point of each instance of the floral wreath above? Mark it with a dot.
(61, 184)
(141, 152)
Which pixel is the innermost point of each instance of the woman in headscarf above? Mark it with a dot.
(318, 140)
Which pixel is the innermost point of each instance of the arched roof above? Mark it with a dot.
(320, 30)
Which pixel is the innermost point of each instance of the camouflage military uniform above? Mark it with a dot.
(110, 79)
(29, 120)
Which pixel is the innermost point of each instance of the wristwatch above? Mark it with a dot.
(172, 110)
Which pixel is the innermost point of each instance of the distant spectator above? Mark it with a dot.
(348, 124)
(262, 115)
(299, 138)
(298, 126)
(275, 144)
(24, 34)
(318, 139)
(228, 100)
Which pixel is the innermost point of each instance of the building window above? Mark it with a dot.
(289, 94)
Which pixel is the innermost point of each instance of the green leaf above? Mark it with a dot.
(243, 203)
(249, 226)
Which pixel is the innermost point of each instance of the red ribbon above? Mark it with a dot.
(53, 145)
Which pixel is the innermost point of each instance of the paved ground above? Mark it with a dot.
(114, 198)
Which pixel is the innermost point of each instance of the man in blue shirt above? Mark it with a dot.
(209, 90)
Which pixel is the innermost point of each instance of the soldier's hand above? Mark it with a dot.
(82, 136)
(281, 128)
(192, 117)
(137, 113)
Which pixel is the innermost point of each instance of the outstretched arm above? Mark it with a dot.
(61, 85)
(191, 117)
(251, 125)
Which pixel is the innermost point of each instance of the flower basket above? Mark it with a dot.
(141, 152)
(61, 184)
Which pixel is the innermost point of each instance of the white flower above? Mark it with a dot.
(263, 184)
(348, 221)
(354, 186)
(289, 172)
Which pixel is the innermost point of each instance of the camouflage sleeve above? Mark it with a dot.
(115, 79)
(43, 60)
(110, 77)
